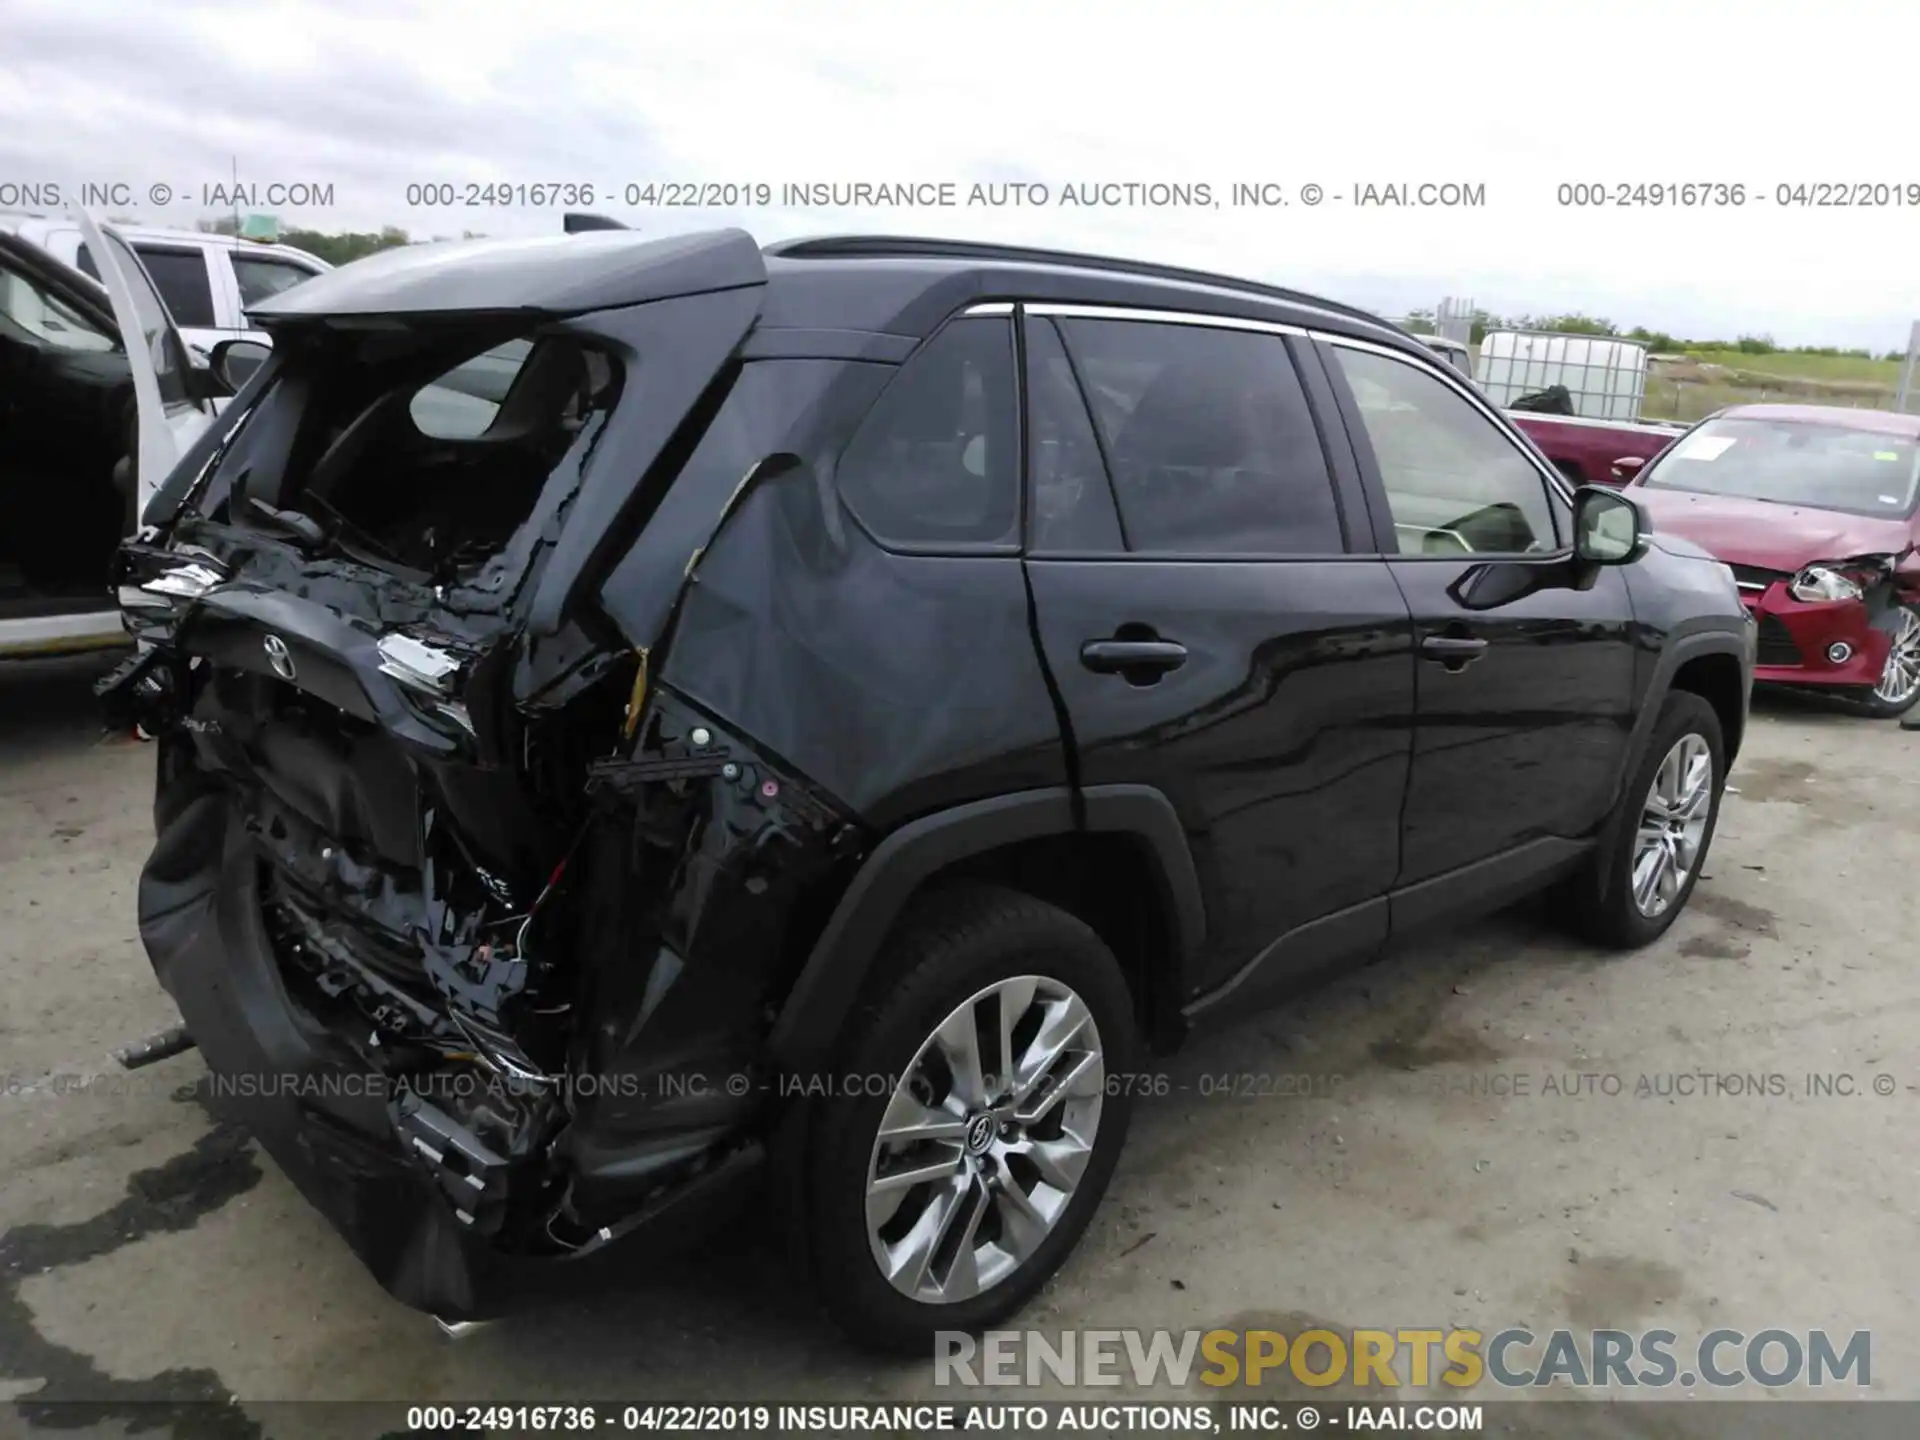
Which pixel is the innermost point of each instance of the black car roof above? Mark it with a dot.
(548, 275)
(898, 285)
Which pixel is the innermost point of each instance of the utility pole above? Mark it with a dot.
(1906, 370)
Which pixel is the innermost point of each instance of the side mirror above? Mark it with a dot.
(1608, 528)
(1628, 466)
(234, 362)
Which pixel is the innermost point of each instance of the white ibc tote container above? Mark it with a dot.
(1606, 377)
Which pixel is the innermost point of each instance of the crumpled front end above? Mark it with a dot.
(1837, 636)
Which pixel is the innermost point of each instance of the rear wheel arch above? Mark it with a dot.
(1147, 907)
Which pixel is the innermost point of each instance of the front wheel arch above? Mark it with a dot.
(1684, 657)
(1603, 907)
(1715, 677)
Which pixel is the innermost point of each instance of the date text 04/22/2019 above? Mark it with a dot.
(1107, 1417)
(1737, 194)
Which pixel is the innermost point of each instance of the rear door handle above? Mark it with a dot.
(1456, 652)
(1114, 657)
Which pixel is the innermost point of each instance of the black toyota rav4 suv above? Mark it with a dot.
(846, 706)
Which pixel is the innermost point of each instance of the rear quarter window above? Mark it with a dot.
(934, 464)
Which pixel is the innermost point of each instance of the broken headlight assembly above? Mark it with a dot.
(1838, 579)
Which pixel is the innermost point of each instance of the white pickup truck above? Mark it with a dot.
(207, 280)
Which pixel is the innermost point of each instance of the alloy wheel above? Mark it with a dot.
(985, 1139)
(1673, 825)
(1900, 677)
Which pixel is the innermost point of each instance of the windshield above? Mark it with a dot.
(1791, 462)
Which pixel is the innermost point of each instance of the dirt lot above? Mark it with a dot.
(152, 1252)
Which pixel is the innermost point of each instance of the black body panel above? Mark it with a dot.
(1528, 738)
(1282, 741)
(919, 850)
(900, 684)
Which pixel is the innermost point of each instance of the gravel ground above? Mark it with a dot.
(152, 1253)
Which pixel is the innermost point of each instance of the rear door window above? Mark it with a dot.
(934, 463)
(1208, 438)
(182, 279)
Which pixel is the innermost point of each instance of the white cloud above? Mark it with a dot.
(1517, 97)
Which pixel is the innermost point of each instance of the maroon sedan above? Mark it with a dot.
(1813, 506)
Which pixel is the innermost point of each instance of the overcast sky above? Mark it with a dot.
(369, 96)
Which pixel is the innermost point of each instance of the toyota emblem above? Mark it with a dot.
(980, 1131)
(279, 657)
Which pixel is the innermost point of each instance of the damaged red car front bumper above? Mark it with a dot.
(1819, 642)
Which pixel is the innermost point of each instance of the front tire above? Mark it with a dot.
(1899, 687)
(1655, 842)
(943, 1194)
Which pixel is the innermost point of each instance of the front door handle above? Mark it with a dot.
(1140, 661)
(1456, 652)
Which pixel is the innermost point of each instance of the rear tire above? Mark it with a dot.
(989, 1221)
(1655, 843)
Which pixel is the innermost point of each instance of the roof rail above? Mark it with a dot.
(874, 247)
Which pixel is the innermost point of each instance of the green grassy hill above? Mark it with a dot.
(1702, 381)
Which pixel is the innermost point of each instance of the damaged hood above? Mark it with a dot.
(1765, 534)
